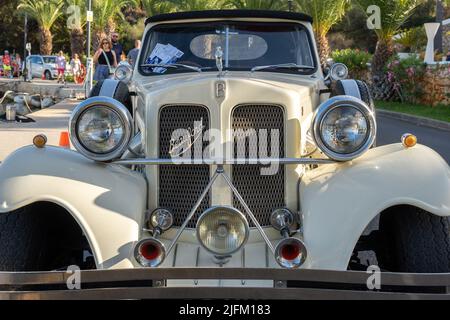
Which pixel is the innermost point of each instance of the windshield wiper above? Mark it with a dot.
(172, 65)
(282, 66)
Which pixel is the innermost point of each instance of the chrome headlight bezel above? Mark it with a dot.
(127, 69)
(232, 211)
(338, 102)
(125, 119)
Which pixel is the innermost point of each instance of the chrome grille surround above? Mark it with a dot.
(262, 193)
(180, 186)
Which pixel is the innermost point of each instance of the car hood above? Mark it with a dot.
(275, 80)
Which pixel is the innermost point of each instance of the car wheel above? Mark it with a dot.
(119, 92)
(22, 241)
(414, 241)
(48, 75)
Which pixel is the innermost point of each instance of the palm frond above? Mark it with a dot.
(44, 12)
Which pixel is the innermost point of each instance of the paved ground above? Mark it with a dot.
(390, 131)
(49, 121)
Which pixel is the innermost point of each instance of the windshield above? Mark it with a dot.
(49, 60)
(242, 45)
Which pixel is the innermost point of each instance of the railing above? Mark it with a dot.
(288, 285)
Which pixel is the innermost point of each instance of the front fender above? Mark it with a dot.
(339, 200)
(107, 201)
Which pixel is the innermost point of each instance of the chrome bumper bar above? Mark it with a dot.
(288, 285)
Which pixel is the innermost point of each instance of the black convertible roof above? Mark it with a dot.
(229, 14)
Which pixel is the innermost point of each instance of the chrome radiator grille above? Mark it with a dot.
(181, 186)
(262, 193)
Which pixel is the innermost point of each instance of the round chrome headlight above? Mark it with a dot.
(222, 230)
(339, 71)
(100, 128)
(123, 72)
(344, 127)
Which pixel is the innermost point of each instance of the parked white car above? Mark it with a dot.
(227, 146)
(42, 66)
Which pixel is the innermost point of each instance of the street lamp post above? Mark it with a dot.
(89, 61)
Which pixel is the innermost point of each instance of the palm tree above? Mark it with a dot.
(325, 13)
(77, 37)
(45, 13)
(154, 7)
(393, 14)
(194, 5)
(107, 13)
(259, 4)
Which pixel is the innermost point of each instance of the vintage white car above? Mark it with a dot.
(230, 146)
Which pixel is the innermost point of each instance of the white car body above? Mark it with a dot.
(336, 201)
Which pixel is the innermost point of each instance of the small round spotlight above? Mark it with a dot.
(290, 253)
(150, 252)
(281, 219)
(161, 218)
(222, 230)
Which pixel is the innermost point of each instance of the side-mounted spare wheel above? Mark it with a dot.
(113, 89)
(414, 241)
(355, 88)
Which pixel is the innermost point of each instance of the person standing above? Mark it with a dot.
(105, 60)
(61, 66)
(116, 46)
(18, 65)
(75, 64)
(134, 53)
(7, 70)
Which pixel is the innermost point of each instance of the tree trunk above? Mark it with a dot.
(46, 41)
(382, 54)
(323, 47)
(111, 27)
(382, 88)
(77, 41)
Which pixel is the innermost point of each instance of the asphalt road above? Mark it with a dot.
(390, 131)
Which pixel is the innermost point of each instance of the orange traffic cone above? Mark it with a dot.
(43, 76)
(64, 141)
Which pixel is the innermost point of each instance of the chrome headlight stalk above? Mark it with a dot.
(101, 128)
(344, 128)
(124, 72)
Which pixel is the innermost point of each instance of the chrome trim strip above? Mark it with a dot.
(212, 162)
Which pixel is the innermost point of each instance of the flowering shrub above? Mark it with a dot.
(355, 59)
(407, 76)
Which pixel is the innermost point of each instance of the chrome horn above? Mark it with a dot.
(151, 252)
(290, 252)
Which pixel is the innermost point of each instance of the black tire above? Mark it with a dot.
(47, 75)
(122, 94)
(22, 241)
(364, 92)
(414, 241)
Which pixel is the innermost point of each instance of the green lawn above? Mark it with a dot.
(439, 112)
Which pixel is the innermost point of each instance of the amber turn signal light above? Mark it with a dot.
(40, 141)
(409, 140)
